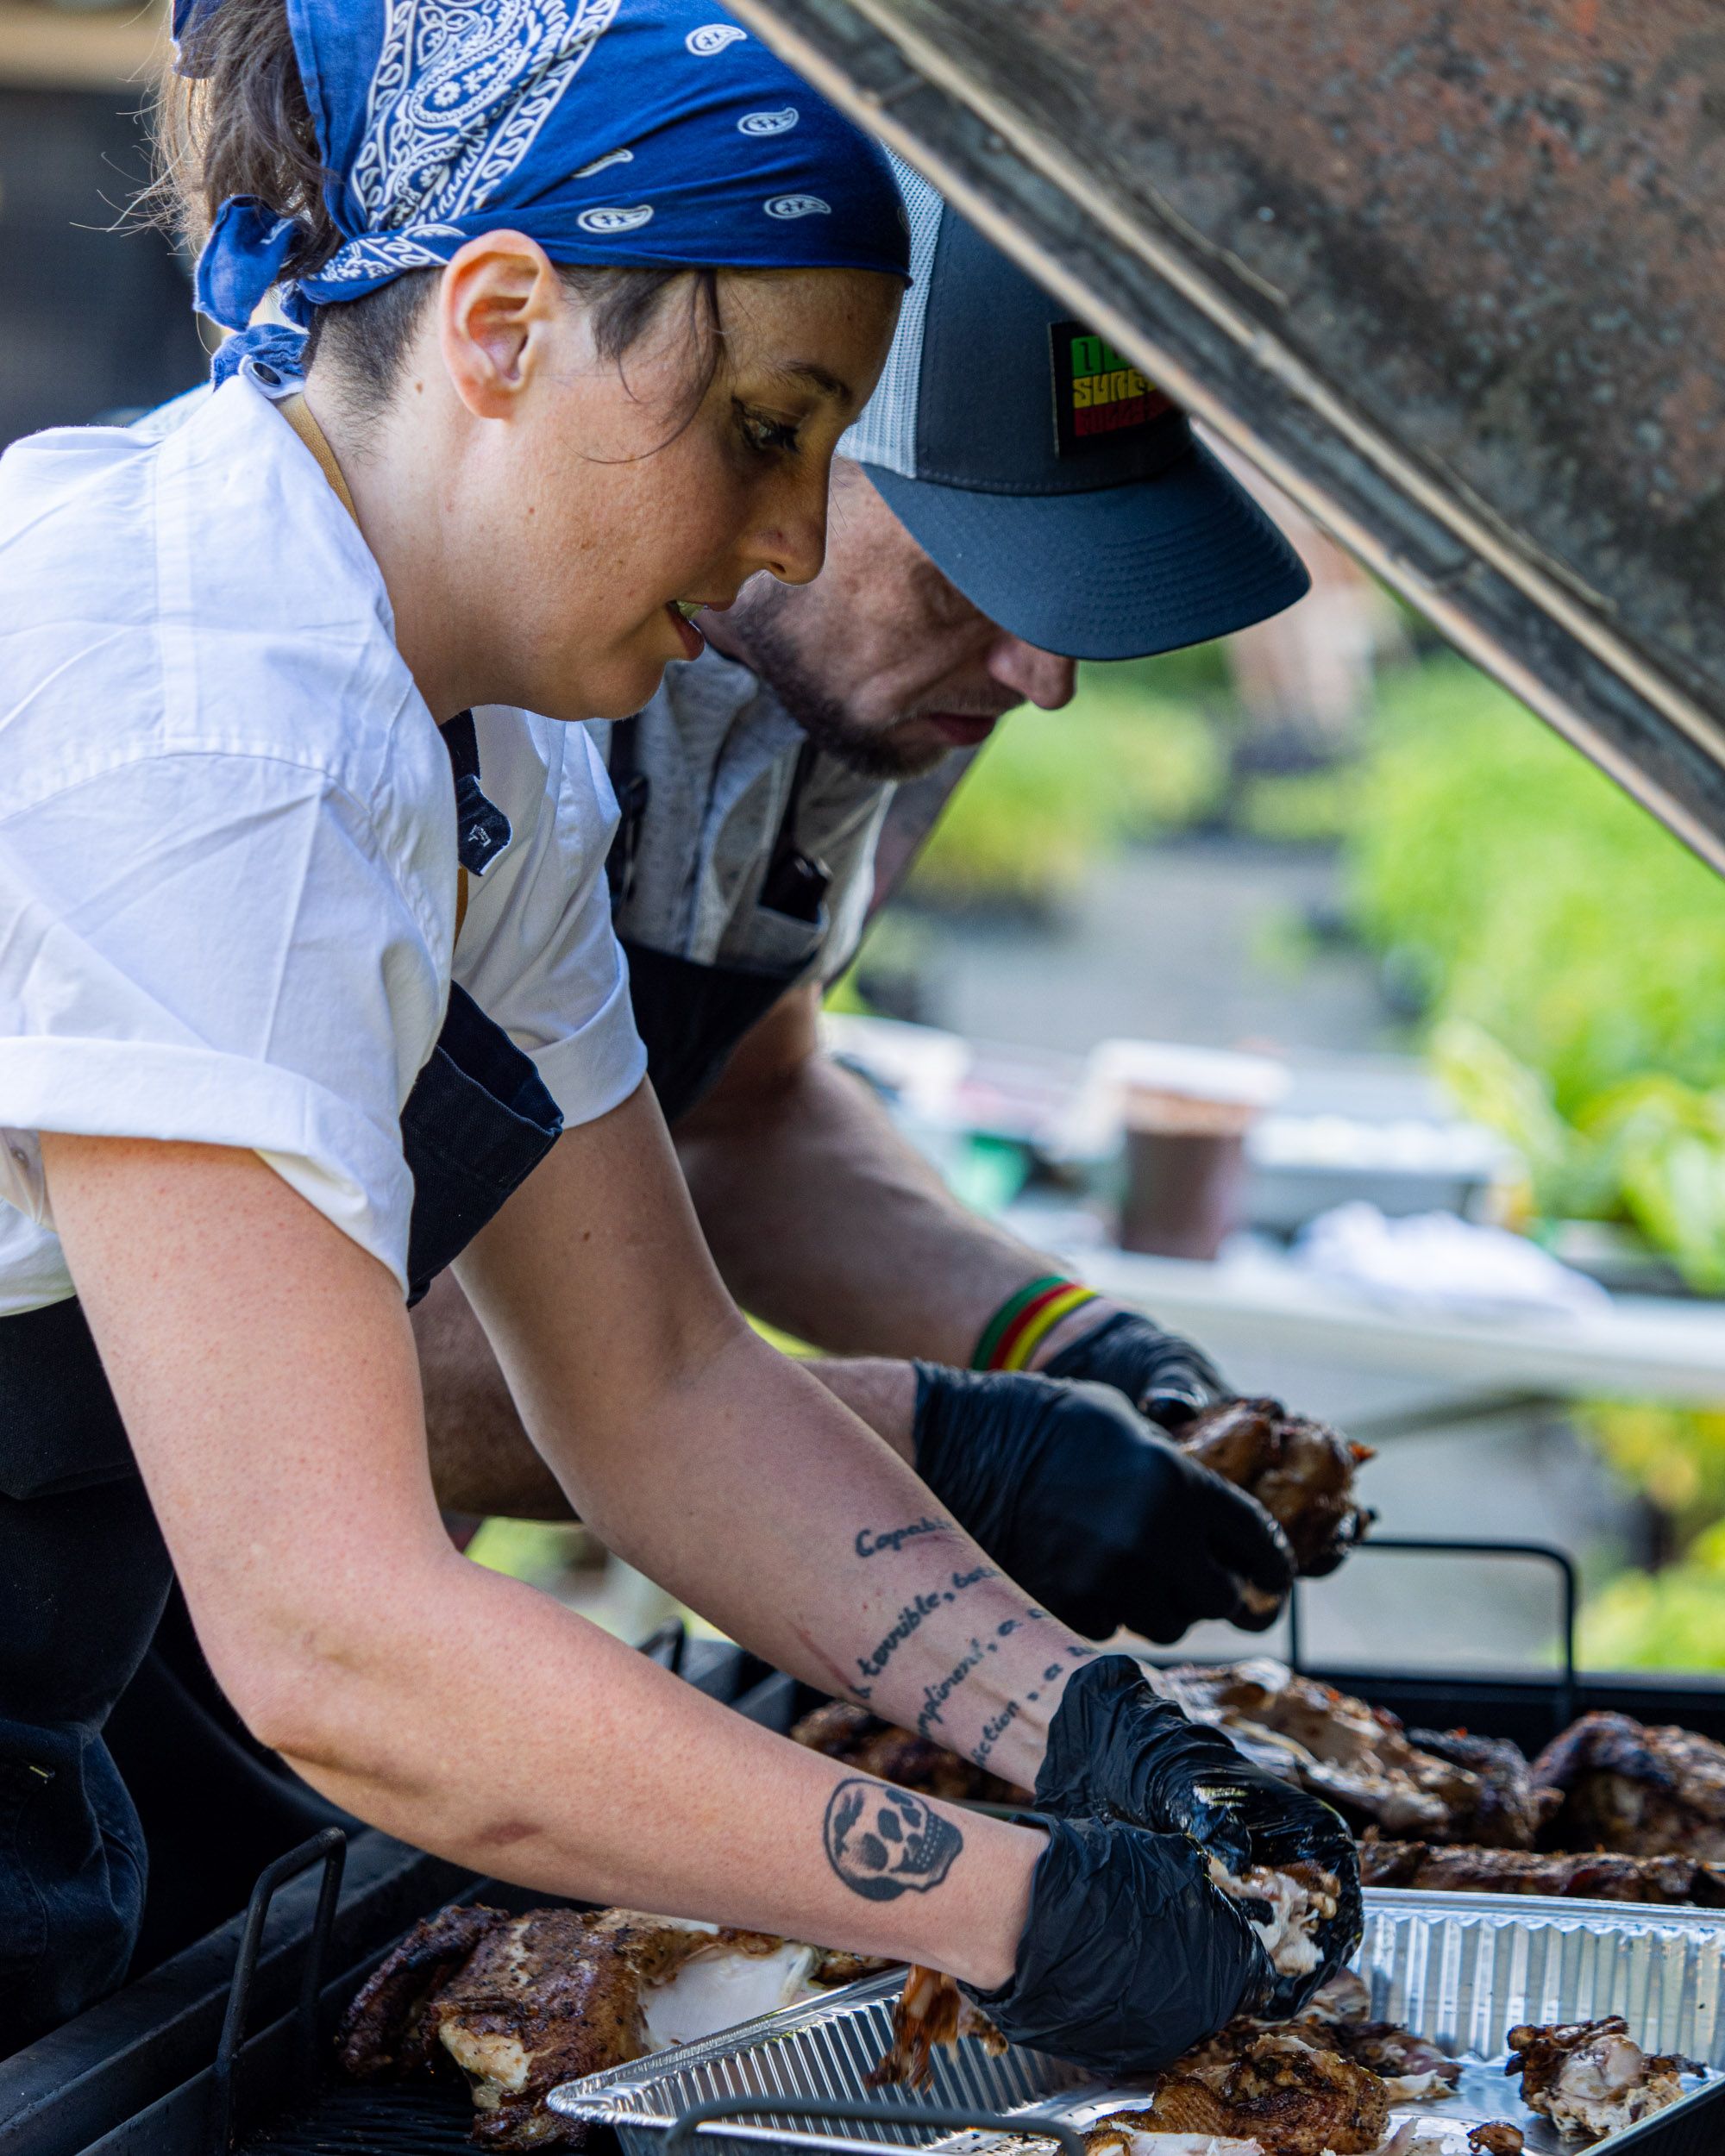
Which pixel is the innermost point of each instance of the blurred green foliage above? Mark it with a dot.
(1133, 754)
(1669, 1620)
(1571, 956)
(1570, 951)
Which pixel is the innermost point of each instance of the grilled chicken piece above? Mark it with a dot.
(1411, 2067)
(1591, 2078)
(1291, 2097)
(1360, 1758)
(1496, 2137)
(1513, 1804)
(1600, 1876)
(387, 2034)
(863, 1740)
(1644, 1792)
(1302, 1473)
(930, 2010)
(520, 2003)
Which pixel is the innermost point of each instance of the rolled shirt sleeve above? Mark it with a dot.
(537, 951)
(212, 946)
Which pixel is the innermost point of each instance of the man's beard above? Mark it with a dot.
(869, 751)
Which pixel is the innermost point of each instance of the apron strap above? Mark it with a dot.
(796, 883)
(633, 790)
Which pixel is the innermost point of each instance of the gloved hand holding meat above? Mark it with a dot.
(1299, 1471)
(1104, 1521)
(1130, 1955)
(1117, 1749)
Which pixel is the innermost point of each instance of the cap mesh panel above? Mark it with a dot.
(885, 433)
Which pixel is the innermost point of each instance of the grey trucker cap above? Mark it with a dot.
(1060, 491)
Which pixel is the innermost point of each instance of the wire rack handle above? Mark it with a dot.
(1440, 1546)
(329, 1849)
(854, 2111)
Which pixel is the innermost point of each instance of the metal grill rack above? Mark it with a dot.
(148, 2073)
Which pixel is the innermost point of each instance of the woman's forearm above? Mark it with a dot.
(733, 1478)
(265, 1372)
(485, 1723)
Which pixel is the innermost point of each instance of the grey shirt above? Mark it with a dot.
(719, 753)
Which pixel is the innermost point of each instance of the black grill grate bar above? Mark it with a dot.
(390, 2120)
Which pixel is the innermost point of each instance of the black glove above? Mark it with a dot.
(1164, 1376)
(1117, 1750)
(1130, 1955)
(1099, 1517)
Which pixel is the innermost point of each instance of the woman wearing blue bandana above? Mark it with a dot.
(306, 963)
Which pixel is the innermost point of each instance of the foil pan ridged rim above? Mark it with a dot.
(1459, 1968)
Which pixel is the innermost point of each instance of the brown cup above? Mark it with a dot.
(1185, 1172)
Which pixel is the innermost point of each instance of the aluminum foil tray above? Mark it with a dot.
(1459, 1968)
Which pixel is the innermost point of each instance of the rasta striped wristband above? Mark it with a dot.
(1023, 1321)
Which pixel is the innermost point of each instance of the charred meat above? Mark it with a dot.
(520, 2003)
(1291, 2097)
(1361, 1759)
(1599, 1875)
(388, 2034)
(1591, 2078)
(930, 2011)
(1299, 1471)
(1496, 2137)
(872, 1746)
(1337, 2019)
(1643, 1792)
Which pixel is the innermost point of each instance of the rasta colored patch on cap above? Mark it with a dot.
(1099, 395)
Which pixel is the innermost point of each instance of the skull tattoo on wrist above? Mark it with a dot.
(884, 1842)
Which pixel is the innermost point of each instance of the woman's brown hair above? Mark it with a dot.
(234, 119)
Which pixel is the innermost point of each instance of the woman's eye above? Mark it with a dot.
(770, 437)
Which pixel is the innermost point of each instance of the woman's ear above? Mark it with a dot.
(497, 304)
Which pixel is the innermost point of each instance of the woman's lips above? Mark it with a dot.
(689, 635)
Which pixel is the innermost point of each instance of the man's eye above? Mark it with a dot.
(770, 437)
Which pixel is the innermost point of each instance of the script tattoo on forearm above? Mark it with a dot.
(884, 1842)
(912, 1617)
(872, 1541)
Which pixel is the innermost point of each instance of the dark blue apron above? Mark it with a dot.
(84, 1574)
(691, 1017)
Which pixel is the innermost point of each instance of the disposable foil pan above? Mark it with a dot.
(1459, 1968)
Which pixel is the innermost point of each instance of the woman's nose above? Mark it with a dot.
(793, 546)
(1042, 677)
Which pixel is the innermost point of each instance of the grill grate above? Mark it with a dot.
(433, 2120)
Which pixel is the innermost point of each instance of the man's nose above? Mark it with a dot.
(1041, 676)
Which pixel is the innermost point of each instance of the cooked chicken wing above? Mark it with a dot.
(1645, 1792)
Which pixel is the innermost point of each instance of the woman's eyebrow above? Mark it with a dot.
(808, 375)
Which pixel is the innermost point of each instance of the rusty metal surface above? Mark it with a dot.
(1448, 265)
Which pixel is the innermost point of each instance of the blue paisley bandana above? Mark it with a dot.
(653, 134)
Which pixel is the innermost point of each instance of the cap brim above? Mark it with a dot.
(1120, 572)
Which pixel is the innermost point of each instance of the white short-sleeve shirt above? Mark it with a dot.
(227, 834)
